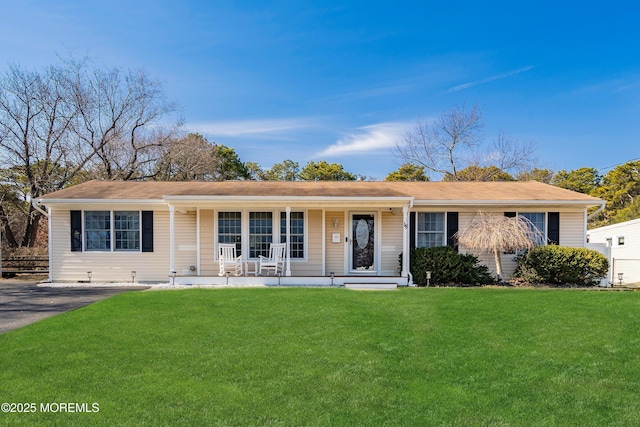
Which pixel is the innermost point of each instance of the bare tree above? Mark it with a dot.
(57, 123)
(455, 141)
(497, 233)
(440, 145)
(117, 131)
(509, 154)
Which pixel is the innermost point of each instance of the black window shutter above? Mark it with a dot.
(412, 229)
(147, 231)
(553, 228)
(510, 214)
(76, 231)
(452, 229)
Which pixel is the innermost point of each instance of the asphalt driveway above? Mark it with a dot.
(22, 303)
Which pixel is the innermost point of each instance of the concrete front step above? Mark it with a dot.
(371, 286)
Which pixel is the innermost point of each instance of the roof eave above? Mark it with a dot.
(48, 202)
(507, 202)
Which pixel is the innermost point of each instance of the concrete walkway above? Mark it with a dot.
(23, 302)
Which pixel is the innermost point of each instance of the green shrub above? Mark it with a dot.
(562, 265)
(447, 267)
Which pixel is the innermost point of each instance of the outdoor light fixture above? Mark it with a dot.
(173, 277)
(335, 222)
(620, 278)
(227, 275)
(133, 276)
(89, 274)
(428, 277)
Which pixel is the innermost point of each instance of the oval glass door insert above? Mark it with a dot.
(362, 234)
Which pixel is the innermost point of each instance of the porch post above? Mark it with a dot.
(287, 240)
(405, 241)
(172, 265)
(198, 241)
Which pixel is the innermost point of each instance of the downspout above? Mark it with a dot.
(38, 208)
(406, 259)
(588, 218)
(597, 211)
(46, 213)
(172, 269)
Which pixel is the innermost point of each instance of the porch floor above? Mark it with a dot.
(324, 281)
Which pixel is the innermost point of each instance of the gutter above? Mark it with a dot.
(427, 203)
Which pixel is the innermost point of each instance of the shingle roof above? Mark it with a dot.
(420, 191)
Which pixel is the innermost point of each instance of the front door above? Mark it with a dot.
(363, 248)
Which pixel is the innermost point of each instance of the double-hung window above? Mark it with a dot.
(260, 233)
(230, 229)
(536, 220)
(107, 231)
(97, 230)
(126, 226)
(430, 229)
(296, 233)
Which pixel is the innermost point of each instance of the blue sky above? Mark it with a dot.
(342, 80)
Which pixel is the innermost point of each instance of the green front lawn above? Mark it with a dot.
(333, 357)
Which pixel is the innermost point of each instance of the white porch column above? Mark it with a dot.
(287, 223)
(324, 242)
(405, 241)
(172, 255)
(198, 241)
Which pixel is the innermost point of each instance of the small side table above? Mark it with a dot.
(251, 267)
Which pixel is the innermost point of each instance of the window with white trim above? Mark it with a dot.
(230, 229)
(260, 233)
(537, 220)
(259, 230)
(296, 233)
(102, 228)
(430, 229)
(126, 225)
(97, 230)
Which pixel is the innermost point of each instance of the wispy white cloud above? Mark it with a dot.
(257, 128)
(490, 79)
(615, 86)
(367, 139)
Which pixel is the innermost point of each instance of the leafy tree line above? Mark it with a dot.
(73, 121)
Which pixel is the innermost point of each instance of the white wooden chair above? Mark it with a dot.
(275, 261)
(229, 262)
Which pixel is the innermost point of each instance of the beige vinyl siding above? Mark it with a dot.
(391, 226)
(334, 251)
(67, 266)
(185, 241)
(572, 228)
(312, 266)
(208, 264)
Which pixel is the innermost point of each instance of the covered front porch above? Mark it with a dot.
(329, 241)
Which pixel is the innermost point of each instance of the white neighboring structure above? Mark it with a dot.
(621, 242)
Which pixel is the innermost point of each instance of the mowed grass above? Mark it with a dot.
(333, 357)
